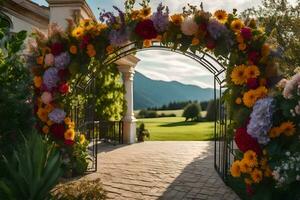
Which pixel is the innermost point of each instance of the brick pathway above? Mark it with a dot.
(161, 170)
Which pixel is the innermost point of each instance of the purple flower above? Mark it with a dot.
(216, 29)
(51, 78)
(119, 37)
(57, 115)
(261, 120)
(161, 19)
(62, 60)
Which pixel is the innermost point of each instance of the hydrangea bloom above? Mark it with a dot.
(50, 78)
(160, 19)
(62, 60)
(290, 86)
(216, 29)
(261, 120)
(57, 115)
(118, 38)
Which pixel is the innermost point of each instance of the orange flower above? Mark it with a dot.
(252, 71)
(40, 60)
(147, 43)
(195, 41)
(177, 19)
(49, 123)
(238, 75)
(221, 16)
(46, 129)
(91, 50)
(237, 25)
(42, 114)
(261, 92)
(38, 81)
(69, 134)
(256, 175)
(242, 46)
(288, 128)
(238, 100)
(109, 49)
(235, 169)
(275, 132)
(265, 50)
(73, 49)
(240, 38)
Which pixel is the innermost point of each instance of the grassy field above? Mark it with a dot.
(178, 113)
(176, 129)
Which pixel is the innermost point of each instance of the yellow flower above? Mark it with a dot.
(42, 114)
(252, 71)
(49, 108)
(38, 81)
(73, 49)
(238, 100)
(177, 19)
(49, 122)
(87, 24)
(256, 175)
(135, 14)
(249, 98)
(195, 41)
(238, 75)
(221, 16)
(69, 134)
(67, 120)
(45, 129)
(261, 92)
(78, 32)
(109, 49)
(265, 50)
(262, 82)
(250, 158)
(82, 138)
(274, 132)
(235, 169)
(242, 46)
(145, 12)
(237, 25)
(240, 38)
(147, 43)
(40, 60)
(288, 128)
(244, 166)
(71, 125)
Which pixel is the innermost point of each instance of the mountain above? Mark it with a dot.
(153, 93)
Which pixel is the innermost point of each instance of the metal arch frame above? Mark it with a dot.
(222, 151)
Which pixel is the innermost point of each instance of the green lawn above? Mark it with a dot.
(176, 129)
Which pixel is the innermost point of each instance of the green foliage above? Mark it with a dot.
(32, 172)
(211, 110)
(281, 21)
(191, 111)
(142, 132)
(15, 93)
(81, 190)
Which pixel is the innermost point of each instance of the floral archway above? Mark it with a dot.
(264, 120)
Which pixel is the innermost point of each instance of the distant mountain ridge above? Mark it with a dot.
(153, 93)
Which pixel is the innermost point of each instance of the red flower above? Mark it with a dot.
(85, 41)
(63, 74)
(146, 30)
(252, 83)
(57, 48)
(58, 131)
(210, 44)
(246, 33)
(245, 142)
(64, 88)
(203, 27)
(253, 57)
(69, 142)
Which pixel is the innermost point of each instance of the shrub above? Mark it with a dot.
(142, 132)
(191, 111)
(80, 190)
(212, 110)
(147, 114)
(32, 172)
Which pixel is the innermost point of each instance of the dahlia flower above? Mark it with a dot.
(57, 115)
(189, 26)
(146, 30)
(50, 78)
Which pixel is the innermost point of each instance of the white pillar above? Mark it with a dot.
(129, 121)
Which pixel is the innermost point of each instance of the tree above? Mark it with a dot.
(192, 111)
(281, 21)
(211, 111)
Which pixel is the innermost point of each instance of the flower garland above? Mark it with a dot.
(61, 56)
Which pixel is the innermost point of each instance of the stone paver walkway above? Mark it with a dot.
(161, 170)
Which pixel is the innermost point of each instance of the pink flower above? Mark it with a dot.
(49, 60)
(246, 33)
(46, 97)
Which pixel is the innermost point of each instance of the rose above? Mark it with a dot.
(46, 97)
(210, 44)
(246, 33)
(146, 30)
(64, 88)
(49, 60)
(245, 142)
(189, 26)
(253, 57)
(252, 83)
(69, 142)
(56, 48)
(58, 131)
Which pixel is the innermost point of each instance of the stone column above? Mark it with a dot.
(129, 121)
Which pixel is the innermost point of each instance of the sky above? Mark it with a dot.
(169, 66)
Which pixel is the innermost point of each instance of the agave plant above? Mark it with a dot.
(32, 171)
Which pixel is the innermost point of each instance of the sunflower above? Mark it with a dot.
(49, 108)
(238, 75)
(275, 132)
(38, 81)
(252, 71)
(77, 32)
(49, 122)
(244, 166)
(261, 92)
(69, 134)
(235, 169)
(147, 43)
(256, 175)
(249, 98)
(42, 114)
(237, 25)
(135, 14)
(288, 128)
(87, 24)
(91, 52)
(177, 19)
(221, 16)
(145, 12)
(250, 158)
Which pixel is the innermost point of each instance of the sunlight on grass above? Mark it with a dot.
(176, 129)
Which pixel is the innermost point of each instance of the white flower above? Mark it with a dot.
(287, 153)
(189, 26)
(298, 178)
(46, 97)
